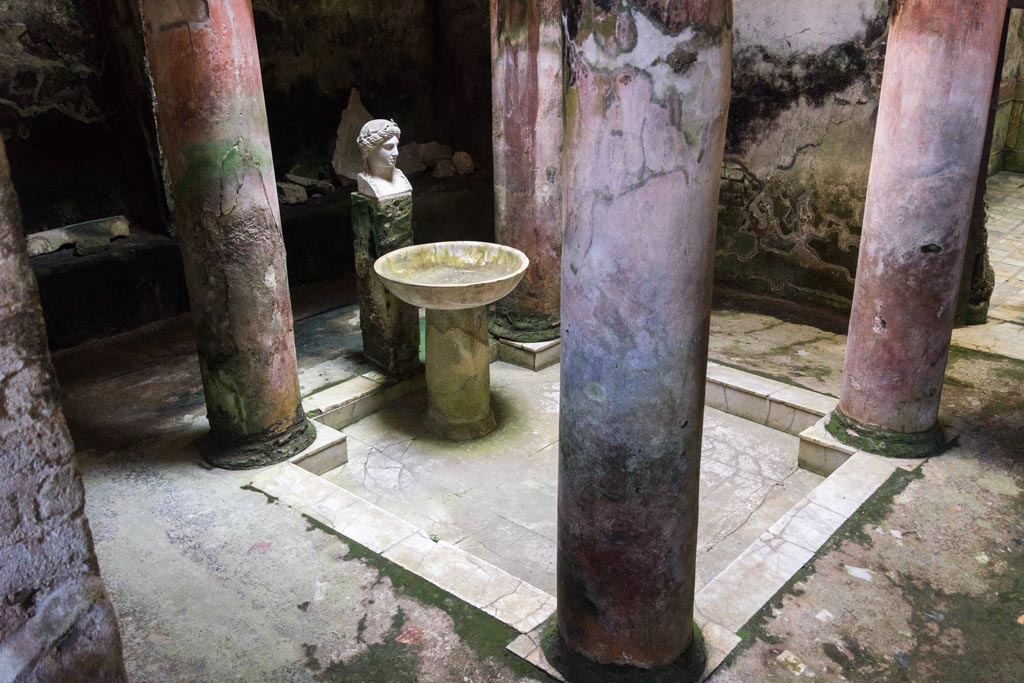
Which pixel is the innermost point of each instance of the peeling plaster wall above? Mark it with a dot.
(806, 78)
(56, 114)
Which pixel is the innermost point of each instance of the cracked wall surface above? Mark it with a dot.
(805, 94)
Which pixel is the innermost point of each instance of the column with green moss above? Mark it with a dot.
(213, 130)
(391, 331)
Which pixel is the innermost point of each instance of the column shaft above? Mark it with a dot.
(645, 117)
(213, 129)
(56, 621)
(924, 171)
(526, 56)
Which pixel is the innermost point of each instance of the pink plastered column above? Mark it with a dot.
(213, 130)
(526, 85)
(645, 114)
(939, 66)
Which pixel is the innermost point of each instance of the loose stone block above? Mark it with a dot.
(391, 332)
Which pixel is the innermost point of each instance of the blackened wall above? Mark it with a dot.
(806, 79)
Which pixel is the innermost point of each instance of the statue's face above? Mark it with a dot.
(384, 157)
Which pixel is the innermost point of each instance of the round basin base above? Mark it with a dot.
(461, 431)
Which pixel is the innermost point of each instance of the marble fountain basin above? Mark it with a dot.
(451, 276)
(455, 281)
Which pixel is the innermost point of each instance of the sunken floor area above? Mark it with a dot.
(215, 580)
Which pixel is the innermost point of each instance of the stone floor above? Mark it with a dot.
(212, 582)
(1006, 245)
(496, 497)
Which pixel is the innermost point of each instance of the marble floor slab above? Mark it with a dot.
(496, 497)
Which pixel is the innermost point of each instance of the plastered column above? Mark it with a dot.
(526, 92)
(936, 88)
(213, 129)
(56, 621)
(645, 115)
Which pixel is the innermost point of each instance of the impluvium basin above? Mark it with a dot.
(455, 281)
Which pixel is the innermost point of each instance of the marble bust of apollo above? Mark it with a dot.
(378, 143)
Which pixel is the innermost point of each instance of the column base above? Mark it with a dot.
(885, 442)
(461, 431)
(576, 668)
(523, 329)
(260, 450)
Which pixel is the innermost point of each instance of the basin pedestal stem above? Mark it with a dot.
(459, 374)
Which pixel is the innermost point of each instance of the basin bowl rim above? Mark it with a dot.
(472, 243)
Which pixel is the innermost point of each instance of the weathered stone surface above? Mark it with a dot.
(348, 161)
(213, 126)
(927, 155)
(644, 137)
(292, 193)
(390, 327)
(459, 373)
(445, 168)
(526, 68)
(463, 163)
(56, 622)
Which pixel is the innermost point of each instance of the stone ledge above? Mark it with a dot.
(358, 397)
(530, 355)
(740, 591)
(490, 589)
(328, 450)
(781, 406)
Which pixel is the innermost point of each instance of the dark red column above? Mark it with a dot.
(939, 66)
(213, 129)
(526, 92)
(645, 114)
(56, 621)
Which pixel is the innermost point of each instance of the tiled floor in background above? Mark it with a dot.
(1006, 245)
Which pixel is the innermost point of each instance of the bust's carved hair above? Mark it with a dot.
(374, 133)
